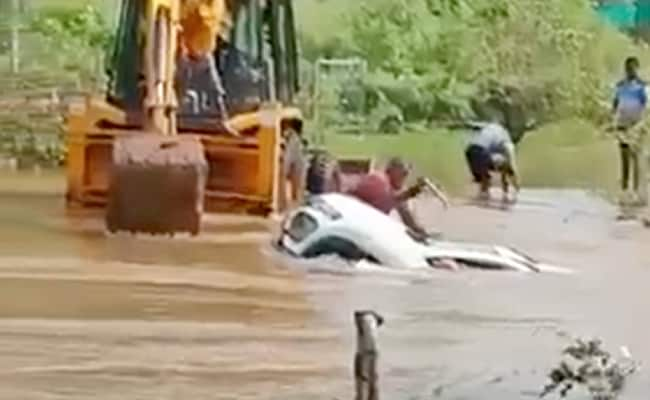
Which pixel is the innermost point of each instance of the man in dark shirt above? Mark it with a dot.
(630, 100)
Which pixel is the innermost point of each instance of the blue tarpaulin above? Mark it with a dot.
(643, 12)
(623, 15)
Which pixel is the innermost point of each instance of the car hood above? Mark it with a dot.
(489, 255)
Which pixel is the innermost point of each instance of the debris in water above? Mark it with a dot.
(626, 352)
(586, 364)
(438, 391)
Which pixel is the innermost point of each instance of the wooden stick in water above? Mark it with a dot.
(365, 359)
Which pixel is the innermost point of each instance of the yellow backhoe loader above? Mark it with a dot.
(156, 152)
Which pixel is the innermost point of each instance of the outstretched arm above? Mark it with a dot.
(409, 220)
(416, 189)
(408, 193)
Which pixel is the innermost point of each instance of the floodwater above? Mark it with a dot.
(221, 316)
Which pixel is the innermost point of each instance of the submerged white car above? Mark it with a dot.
(337, 224)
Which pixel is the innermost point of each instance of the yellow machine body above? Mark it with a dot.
(245, 173)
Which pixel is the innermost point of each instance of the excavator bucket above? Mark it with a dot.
(156, 184)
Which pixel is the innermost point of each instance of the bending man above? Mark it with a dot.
(491, 150)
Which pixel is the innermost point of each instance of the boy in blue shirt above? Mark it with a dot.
(629, 105)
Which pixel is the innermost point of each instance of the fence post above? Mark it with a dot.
(365, 359)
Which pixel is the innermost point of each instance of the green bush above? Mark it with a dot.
(81, 35)
(436, 58)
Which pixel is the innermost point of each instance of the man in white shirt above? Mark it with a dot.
(491, 150)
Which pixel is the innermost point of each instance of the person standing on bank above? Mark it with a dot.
(629, 105)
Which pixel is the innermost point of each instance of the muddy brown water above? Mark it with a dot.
(221, 316)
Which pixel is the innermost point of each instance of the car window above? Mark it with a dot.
(334, 245)
(301, 226)
(483, 265)
(436, 261)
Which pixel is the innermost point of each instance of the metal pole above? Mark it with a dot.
(319, 137)
(316, 109)
(15, 39)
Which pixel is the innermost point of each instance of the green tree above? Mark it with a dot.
(82, 37)
(446, 52)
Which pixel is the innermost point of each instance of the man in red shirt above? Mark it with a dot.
(384, 191)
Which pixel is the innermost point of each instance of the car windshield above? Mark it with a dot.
(318, 203)
(301, 226)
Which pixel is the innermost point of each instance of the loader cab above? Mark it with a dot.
(257, 55)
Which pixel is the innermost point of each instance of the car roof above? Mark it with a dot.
(351, 208)
(386, 236)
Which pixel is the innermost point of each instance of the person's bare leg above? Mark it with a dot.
(484, 187)
(635, 159)
(625, 166)
(283, 194)
(223, 112)
(297, 179)
(505, 186)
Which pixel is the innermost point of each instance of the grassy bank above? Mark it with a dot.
(567, 154)
(437, 154)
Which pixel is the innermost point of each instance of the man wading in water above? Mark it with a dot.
(629, 106)
(385, 191)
